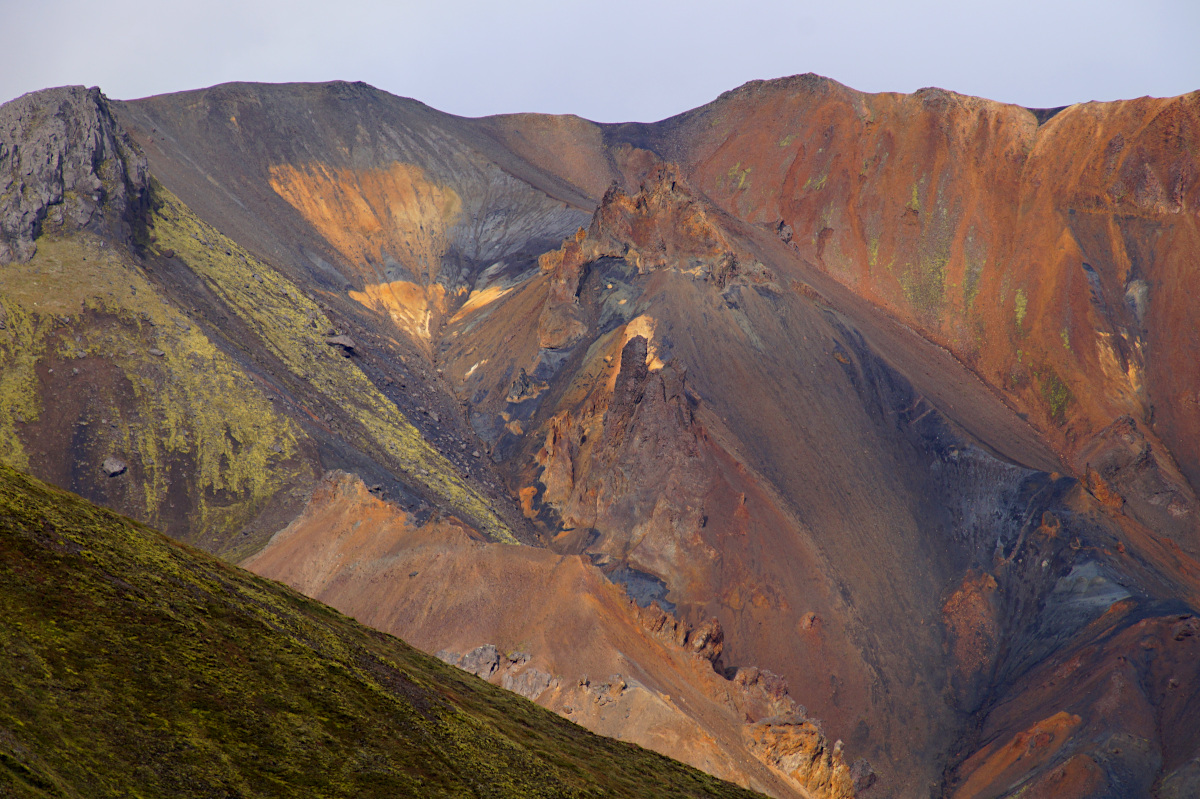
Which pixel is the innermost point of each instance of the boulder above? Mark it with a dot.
(529, 683)
(482, 661)
(345, 343)
(707, 640)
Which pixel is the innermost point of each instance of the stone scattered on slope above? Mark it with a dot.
(345, 343)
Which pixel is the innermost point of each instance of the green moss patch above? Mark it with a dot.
(1055, 393)
(137, 667)
(292, 327)
(191, 407)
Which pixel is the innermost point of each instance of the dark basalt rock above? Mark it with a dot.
(65, 164)
(344, 343)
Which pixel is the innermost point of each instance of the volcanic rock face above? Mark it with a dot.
(885, 395)
(1046, 256)
(65, 164)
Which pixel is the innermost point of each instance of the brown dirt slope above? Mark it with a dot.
(567, 637)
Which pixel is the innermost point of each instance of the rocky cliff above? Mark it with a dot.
(66, 165)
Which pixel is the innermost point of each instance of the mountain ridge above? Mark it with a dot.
(798, 372)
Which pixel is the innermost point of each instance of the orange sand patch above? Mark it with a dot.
(479, 299)
(370, 214)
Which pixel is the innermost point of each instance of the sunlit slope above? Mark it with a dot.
(1049, 251)
(135, 665)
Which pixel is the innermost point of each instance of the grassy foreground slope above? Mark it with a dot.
(130, 665)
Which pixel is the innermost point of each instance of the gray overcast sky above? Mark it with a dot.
(609, 61)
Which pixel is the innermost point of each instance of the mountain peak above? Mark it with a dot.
(67, 165)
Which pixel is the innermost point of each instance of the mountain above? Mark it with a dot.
(807, 416)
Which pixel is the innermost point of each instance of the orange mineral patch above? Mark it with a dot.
(526, 496)
(970, 616)
(372, 216)
(411, 307)
(1079, 777)
(999, 768)
(479, 299)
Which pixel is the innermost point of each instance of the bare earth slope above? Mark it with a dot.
(1047, 257)
(894, 388)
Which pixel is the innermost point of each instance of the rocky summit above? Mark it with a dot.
(836, 444)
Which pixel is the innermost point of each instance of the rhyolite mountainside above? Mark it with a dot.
(890, 396)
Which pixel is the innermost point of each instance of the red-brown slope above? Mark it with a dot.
(568, 637)
(709, 419)
(1052, 259)
(744, 485)
(785, 457)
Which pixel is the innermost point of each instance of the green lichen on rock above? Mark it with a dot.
(914, 202)
(923, 281)
(737, 178)
(21, 345)
(293, 327)
(1055, 392)
(192, 408)
(1020, 306)
(975, 257)
(153, 670)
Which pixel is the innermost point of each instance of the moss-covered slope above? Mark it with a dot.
(133, 666)
(291, 328)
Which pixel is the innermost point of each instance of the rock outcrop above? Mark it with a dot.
(795, 746)
(65, 164)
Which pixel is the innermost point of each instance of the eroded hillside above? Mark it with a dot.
(880, 398)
